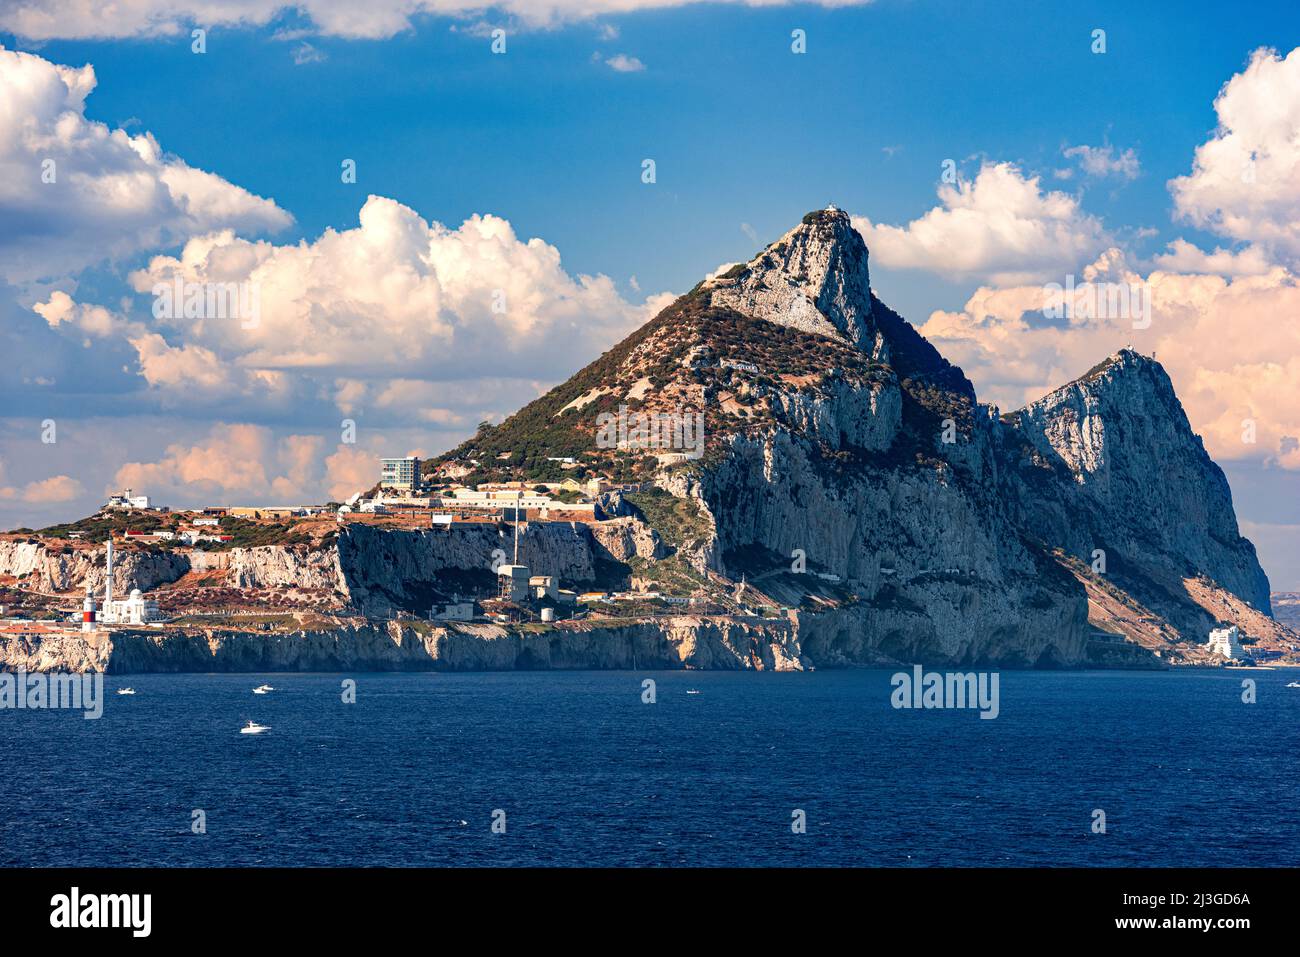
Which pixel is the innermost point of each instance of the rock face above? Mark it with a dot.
(814, 278)
(621, 539)
(1109, 464)
(675, 643)
(53, 570)
(372, 570)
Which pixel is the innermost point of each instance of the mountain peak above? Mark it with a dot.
(814, 278)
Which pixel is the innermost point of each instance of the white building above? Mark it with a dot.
(134, 610)
(125, 500)
(1223, 641)
(453, 611)
(400, 472)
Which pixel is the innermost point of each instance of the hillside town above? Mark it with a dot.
(404, 499)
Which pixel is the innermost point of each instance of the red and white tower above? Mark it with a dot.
(88, 611)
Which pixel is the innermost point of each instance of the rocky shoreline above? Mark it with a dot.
(799, 643)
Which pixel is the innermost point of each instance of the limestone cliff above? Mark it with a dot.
(1109, 466)
(676, 643)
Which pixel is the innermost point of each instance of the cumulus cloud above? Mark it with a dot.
(1182, 256)
(74, 193)
(1000, 227)
(63, 311)
(374, 19)
(399, 297)
(1245, 179)
(622, 63)
(1226, 343)
(53, 490)
(239, 459)
(1102, 161)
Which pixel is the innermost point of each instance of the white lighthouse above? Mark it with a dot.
(108, 574)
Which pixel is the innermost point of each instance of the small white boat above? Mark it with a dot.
(1291, 684)
(692, 691)
(253, 728)
(262, 689)
(126, 691)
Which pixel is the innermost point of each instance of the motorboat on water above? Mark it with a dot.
(126, 691)
(253, 728)
(262, 689)
(1293, 684)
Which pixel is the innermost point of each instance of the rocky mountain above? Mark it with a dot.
(793, 455)
(840, 446)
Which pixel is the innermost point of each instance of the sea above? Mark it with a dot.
(743, 769)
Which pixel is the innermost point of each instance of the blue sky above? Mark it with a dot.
(549, 137)
(742, 130)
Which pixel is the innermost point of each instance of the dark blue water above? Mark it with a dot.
(587, 774)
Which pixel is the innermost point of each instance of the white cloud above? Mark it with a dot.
(1245, 179)
(1184, 257)
(1101, 161)
(374, 19)
(93, 320)
(1228, 346)
(398, 297)
(233, 459)
(1000, 227)
(53, 490)
(74, 193)
(622, 63)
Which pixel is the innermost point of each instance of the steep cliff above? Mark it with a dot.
(1108, 466)
(676, 643)
(50, 569)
